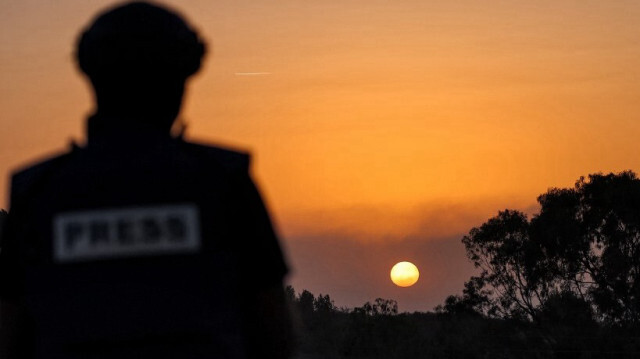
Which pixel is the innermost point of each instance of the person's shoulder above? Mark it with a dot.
(29, 175)
(232, 159)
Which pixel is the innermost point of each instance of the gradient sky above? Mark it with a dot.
(381, 130)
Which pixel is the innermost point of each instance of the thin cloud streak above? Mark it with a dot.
(252, 73)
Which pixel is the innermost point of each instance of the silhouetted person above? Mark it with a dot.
(139, 244)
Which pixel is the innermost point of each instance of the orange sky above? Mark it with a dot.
(378, 126)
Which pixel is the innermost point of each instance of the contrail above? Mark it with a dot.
(252, 73)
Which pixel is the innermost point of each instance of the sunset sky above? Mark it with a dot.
(381, 131)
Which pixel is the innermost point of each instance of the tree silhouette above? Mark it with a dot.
(379, 307)
(509, 281)
(590, 237)
(474, 300)
(582, 250)
(323, 303)
(305, 301)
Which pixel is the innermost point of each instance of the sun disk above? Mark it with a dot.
(404, 274)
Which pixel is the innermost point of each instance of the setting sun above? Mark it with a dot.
(404, 274)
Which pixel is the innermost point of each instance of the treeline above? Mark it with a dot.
(377, 330)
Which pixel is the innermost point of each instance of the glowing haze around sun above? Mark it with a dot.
(404, 274)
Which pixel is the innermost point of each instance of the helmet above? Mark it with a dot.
(137, 39)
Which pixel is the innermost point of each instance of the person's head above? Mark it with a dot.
(138, 57)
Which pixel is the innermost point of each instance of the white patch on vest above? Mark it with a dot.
(126, 232)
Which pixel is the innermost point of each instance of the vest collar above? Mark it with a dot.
(112, 131)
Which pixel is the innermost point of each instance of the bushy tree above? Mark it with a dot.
(584, 244)
(474, 300)
(323, 303)
(305, 302)
(502, 250)
(379, 307)
(591, 239)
